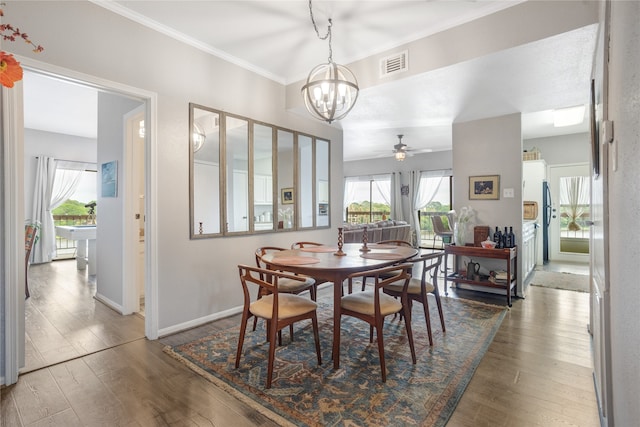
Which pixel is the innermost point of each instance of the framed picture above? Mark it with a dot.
(485, 187)
(286, 196)
(109, 179)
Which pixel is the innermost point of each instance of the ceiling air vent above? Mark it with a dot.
(393, 64)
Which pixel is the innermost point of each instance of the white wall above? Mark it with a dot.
(624, 199)
(110, 237)
(196, 278)
(51, 144)
(490, 147)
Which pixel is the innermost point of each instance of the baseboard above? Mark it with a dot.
(198, 322)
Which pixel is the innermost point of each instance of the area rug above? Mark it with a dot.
(565, 281)
(306, 394)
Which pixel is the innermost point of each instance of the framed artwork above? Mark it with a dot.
(109, 179)
(486, 187)
(286, 196)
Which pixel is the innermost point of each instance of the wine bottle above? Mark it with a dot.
(500, 242)
(496, 238)
(505, 239)
(512, 238)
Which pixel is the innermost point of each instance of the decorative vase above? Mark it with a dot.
(459, 234)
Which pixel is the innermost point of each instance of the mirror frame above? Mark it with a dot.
(225, 198)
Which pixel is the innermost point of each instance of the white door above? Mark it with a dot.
(565, 244)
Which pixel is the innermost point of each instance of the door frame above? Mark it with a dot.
(130, 293)
(13, 159)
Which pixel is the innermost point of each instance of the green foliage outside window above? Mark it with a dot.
(71, 207)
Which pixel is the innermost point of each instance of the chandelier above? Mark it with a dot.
(331, 89)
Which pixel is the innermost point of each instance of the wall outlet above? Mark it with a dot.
(508, 193)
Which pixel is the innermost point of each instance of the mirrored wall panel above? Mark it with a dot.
(263, 143)
(305, 180)
(237, 176)
(205, 172)
(286, 193)
(251, 177)
(322, 183)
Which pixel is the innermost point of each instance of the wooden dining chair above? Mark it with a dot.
(30, 237)
(279, 309)
(302, 245)
(287, 286)
(373, 306)
(420, 287)
(385, 242)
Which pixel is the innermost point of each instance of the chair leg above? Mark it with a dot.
(439, 304)
(383, 366)
(425, 306)
(272, 351)
(290, 333)
(243, 327)
(407, 325)
(316, 337)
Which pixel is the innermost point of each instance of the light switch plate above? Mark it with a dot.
(508, 193)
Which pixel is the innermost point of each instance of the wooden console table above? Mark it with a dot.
(473, 252)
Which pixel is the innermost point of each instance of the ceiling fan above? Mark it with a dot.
(400, 150)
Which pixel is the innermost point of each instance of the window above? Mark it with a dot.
(367, 198)
(435, 197)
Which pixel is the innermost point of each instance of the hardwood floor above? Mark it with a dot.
(63, 320)
(537, 372)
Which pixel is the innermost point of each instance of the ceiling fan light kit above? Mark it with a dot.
(331, 90)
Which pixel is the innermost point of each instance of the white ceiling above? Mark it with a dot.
(531, 79)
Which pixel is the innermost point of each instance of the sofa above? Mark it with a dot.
(377, 231)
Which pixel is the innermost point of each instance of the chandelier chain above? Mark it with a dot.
(327, 35)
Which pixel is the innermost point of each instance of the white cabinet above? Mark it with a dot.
(528, 248)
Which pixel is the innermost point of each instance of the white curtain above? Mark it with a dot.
(396, 210)
(574, 192)
(425, 185)
(376, 187)
(48, 194)
(383, 186)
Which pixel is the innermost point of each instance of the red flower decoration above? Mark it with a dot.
(10, 70)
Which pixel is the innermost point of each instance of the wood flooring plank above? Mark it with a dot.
(38, 396)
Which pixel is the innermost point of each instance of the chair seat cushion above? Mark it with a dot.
(363, 302)
(414, 286)
(292, 285)
(289, 306)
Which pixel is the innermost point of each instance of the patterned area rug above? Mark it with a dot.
(306, 394)
(566, 281)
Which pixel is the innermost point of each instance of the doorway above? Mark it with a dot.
(79, 333)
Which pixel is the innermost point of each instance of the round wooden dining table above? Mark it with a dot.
(320, 262)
